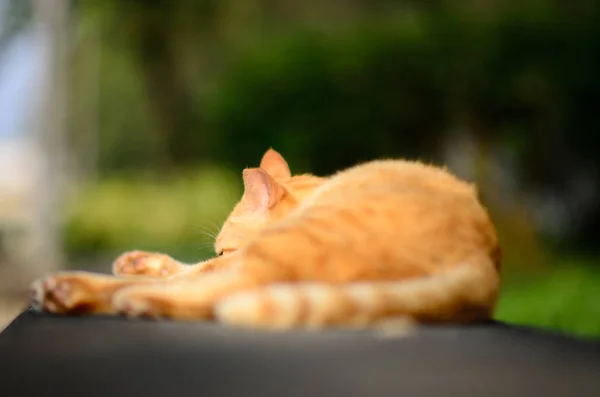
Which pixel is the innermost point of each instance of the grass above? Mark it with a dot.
(563, 298)
(122, 213)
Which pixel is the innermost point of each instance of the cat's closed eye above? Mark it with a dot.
(225, 251)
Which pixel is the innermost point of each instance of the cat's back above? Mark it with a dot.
(392, 178)
(391, 218)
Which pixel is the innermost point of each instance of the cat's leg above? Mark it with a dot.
(150, 264)
(91, 293)
(78, 292)
(154, 264)
(184, 298)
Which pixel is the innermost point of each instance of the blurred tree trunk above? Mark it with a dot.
(51, 21)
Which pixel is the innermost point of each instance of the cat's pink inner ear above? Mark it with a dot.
(275, 165)
(260, 190)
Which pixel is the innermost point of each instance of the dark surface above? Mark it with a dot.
(70, 356)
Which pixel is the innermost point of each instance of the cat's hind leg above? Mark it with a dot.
(183, 299)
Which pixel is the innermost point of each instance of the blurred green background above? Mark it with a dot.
(166, 101)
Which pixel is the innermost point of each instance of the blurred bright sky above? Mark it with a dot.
(20, 67)
(21, 64)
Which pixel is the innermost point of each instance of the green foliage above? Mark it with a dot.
(180, 215)
(394, 89)
(328, 101)
(563, 298)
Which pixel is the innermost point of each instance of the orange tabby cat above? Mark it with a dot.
(384, 239)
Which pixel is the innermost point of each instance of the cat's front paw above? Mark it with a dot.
(57, 293)
(140, 263)
(73, 292)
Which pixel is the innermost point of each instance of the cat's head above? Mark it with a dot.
(270, 193)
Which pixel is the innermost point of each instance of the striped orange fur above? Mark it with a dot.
(383, 239)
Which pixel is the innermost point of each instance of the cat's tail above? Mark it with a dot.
(464, 294)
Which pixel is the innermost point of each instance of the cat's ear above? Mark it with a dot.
(275, 165)
(260, 189)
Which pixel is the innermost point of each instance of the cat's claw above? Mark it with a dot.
(140, 263)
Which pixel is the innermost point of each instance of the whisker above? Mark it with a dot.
(215, 225)
(205, 248)
(207, 234)
(206, 229)
(206, 244)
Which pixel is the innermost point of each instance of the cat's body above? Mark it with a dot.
(384, 239)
